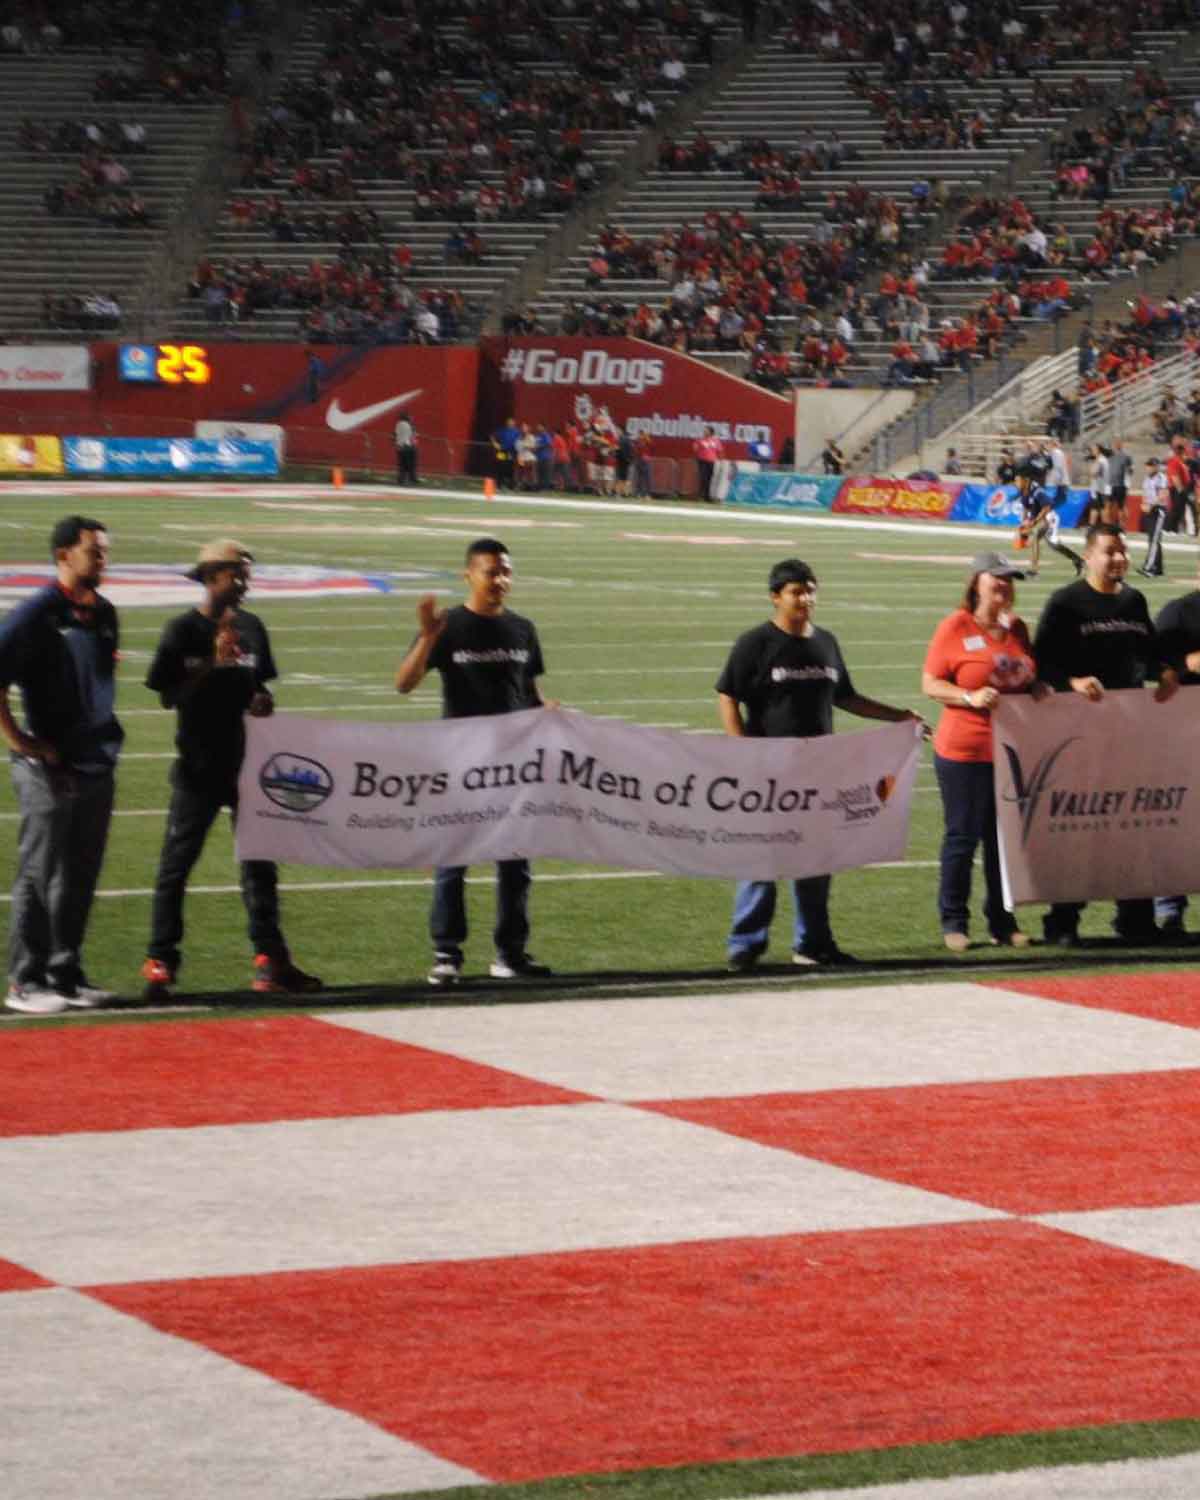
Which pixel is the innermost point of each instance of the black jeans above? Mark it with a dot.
(969, 805)
(448, 917)
(193, 810)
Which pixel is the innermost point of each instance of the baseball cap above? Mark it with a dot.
(997, 565)
(217, 554)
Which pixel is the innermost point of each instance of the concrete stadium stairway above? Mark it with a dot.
(792, 100)
(42, 253)
(511, 244)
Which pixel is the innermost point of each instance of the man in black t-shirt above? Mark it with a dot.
(783, 678)
(212, 667)
(1095, 636)
(489, 660)
(1178, 629)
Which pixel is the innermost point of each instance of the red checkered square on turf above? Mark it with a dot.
(1031, 1146)
(689, 1353)
(15, 1278)
(234, 1072)
(1167, 996)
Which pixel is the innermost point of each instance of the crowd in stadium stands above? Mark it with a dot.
(105, 24)
(70, 137)
(93, 312)
(972, 41)
(360, 296)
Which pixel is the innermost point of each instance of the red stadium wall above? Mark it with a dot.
(345, 417)
(673, 396)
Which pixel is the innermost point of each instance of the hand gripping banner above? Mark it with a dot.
(558, 784)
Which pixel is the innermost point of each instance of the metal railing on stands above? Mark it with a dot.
(1126, 408)
(1023, 400)
(948, 405)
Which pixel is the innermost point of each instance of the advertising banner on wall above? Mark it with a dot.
(44, 367)
(998, 505)
(562, 785)
(873, 495)
(176, 458)
(336, 404)
(645, 388)
(30, 454)
(1098, 799)
(780, 490)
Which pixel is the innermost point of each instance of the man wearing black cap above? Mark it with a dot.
(212, 667)
(783, 678)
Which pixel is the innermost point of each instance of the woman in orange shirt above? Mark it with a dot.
(977, 653)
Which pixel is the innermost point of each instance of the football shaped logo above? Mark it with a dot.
(295, 782)
(884, 787)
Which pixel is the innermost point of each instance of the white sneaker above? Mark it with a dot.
(444, 972)
(89, 996)
(522, 967)
(35, 1000)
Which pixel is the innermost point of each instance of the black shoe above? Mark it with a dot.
(1062, 937)
(831, 956)
(1172, 930)
(743, 960)
(522, 966)
(1138, 937)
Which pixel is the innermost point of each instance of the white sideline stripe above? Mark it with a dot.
(1122, 1479)
(377, 885)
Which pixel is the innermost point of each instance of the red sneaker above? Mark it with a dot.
(280, 976)
(159, 979)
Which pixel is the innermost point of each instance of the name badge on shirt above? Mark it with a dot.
(973, 643)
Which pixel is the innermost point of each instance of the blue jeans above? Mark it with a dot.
(448, 917)
(754, 906)
(969, 806)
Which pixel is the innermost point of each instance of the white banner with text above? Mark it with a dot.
(45, 367)
(558, 784)
(1098, 800)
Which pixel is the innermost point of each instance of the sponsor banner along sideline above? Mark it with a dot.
(998, 505)
(558, 784)
(874, 495)
(158, 456)
(671, 397)
(1098, 799)
(30, 454)
(256, 432)
(785, 491)
(44, 367)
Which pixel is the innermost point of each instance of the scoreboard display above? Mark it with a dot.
(164, 364)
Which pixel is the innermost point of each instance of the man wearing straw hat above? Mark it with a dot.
(212, 667)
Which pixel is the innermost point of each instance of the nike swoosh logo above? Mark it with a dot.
(347, 421)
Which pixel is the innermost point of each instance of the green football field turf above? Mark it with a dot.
(636, 608)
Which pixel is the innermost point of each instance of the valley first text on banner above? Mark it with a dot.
(1097, 800)
(558, 784)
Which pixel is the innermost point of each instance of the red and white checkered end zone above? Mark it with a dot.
(357, 1253)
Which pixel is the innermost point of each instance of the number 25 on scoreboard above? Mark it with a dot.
(180, 362)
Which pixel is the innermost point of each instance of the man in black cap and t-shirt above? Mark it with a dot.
(489, 660)
(1095, 636)
(783, 679)
(212, 667)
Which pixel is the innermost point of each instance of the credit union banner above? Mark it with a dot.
(558, 784)
(1100, 799)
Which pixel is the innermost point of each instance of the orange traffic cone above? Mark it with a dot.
(339, 479)
(489, 489)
